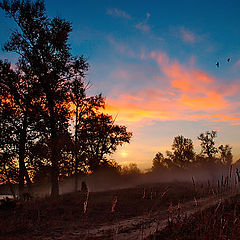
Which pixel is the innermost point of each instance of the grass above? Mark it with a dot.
(45, 217)
(221, 222)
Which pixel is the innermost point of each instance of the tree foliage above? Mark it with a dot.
(130, 170)
(207, 140)
(102, 136)
(162, 163)
(226, 156)
(183, 152)
(181, 157)
(16, 108)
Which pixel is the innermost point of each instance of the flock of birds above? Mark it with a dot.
(218, 64)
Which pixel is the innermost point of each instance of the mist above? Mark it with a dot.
(104, 180)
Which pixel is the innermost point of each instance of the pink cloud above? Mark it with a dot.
(120, 47)
(143, 26)
(187, 94)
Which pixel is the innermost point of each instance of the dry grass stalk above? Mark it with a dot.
(179, 211)
(170, 212)
(85, 204)
(194, 185)
(144, 194)
(114, 204)
(164, 192)
(219, 204)
(195, 201)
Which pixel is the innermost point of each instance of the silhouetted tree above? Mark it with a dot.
(226, 156)
(44, 53)
(78, 97)
(101, 137)
(8, 169)
(158, 162)
(16, 116)
(163, 163)
(130, 170)
(39, 156)
(208, 144)
(183, 152)
(84, 106)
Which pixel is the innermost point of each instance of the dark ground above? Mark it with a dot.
(46, 218)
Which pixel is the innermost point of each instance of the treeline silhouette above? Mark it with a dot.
(183, 155)
(49, 126)
(182, 163)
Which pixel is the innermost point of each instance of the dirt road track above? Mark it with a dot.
(140, 227)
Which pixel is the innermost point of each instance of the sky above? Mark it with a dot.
(155, 62)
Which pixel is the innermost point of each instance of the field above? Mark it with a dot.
(153, 211)
(221, 221)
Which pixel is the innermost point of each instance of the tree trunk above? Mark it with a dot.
(55, 167)
(76, 150)
(20, 178)
(29, 182)
(54, 178)
(54, 160)
(22, 148)
(53, 146)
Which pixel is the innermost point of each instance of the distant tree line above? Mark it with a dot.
(183, 155)
(49, 126)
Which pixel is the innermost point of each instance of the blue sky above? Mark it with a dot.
(155, 61)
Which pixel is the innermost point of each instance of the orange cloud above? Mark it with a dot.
(210, 102)
(189, 95)
(136, 112)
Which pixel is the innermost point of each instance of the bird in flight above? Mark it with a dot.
(228, 60)
(217, 64)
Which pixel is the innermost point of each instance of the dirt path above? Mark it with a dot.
(143, 226)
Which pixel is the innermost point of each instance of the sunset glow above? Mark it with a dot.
(124, 154)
